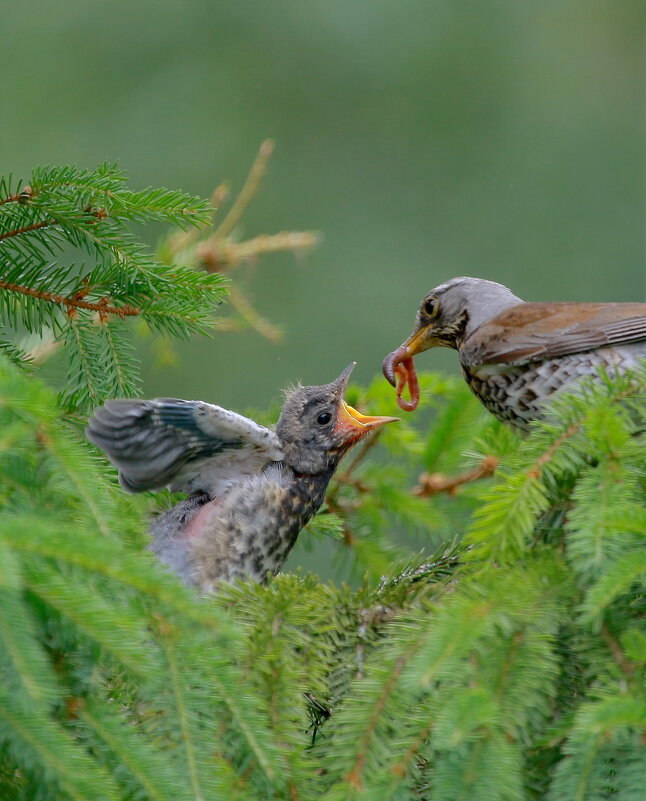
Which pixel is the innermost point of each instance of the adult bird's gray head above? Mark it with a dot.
(252, 489)
(515, 355)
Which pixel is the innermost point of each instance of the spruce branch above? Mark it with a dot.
(355, 776)
(27, 229)
(20, 356)
(74, 302)
(556, 453)
(187, 736)
(510, 666)
(144, 761)
(545, 458)
(22, 196)
(78, 309)
(434, 483)
(617, 652)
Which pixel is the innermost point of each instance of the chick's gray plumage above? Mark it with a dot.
(249, 532)
(516, 355)
(253, 489)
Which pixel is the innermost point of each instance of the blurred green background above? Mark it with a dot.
(502, 139)
(424, 140)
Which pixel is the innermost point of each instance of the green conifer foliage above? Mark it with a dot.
(492, 646)
(70, 266)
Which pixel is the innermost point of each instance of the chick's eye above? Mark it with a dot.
(324, 418)
(431, 307)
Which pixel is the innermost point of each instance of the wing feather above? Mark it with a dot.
(539, 331)
(189, 446)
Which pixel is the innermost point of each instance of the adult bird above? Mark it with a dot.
(251, 489)
(515, 355)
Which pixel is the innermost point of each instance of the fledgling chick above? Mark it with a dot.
(252, 489)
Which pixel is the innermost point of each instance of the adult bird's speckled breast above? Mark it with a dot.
(515, 355)
(252, 489)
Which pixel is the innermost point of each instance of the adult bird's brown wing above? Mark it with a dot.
(537, 331)
(190, 446)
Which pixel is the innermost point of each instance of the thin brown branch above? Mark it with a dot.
(27, 228)
(616, 651)
(19, 197)
(435, 483)
(230, 325)
(75, 302)
(355, 776)
(256, 174)
(341, 508)
(402, 766)
(356, 483)
(543, 459)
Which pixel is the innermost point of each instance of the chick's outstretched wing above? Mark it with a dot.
(189, 446)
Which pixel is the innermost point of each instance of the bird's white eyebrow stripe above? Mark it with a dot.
(448, 285)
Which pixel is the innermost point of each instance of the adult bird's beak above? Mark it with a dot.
(399, 367)
(351, 425)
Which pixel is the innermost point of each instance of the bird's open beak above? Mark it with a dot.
(350, 423)
(353, 424)
(399, 368)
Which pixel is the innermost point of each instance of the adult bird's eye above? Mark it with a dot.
(324, 418)
(431, 307)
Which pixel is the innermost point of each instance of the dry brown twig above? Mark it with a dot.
(250, 316)
(435, 483)
(248, 191)
(217, 255)
(218, 251)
